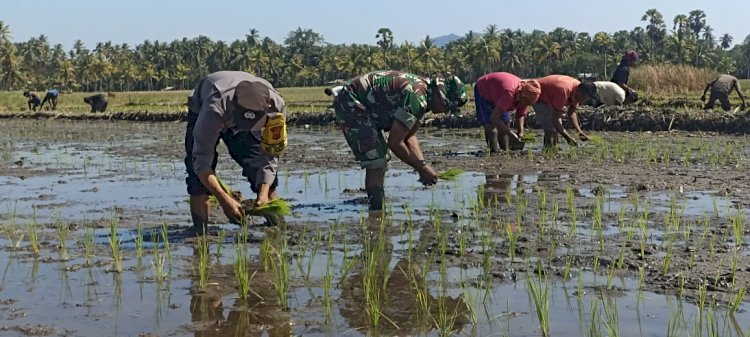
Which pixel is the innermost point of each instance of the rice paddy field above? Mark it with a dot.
(632, 234)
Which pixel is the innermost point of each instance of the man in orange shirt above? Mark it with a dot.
(561, 93)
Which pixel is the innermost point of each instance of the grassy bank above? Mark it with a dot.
(298, 99)
(655, 85)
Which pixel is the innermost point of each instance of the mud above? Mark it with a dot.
(452, 239)
(672, 115)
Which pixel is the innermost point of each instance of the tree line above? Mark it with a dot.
(304, 58)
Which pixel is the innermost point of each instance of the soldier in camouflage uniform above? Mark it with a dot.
(392, 101)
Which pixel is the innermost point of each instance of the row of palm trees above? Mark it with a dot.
(304, 59)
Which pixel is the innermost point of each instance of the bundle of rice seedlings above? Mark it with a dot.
(226, 188)
(596, 139)
(276, 207)
(529, 137)
(451, 174)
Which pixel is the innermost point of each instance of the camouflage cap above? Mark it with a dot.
(452, 90)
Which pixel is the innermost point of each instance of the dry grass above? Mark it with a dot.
(666, 79)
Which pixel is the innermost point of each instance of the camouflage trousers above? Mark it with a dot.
(362, 133)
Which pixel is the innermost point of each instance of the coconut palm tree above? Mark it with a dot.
(656, 31)
(5, 36)
(725, 41)
(385, 41)
(603, 44)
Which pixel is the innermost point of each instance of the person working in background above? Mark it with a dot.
(621, 76)
(33, 100)
(496, 95)
(720, 88)
(51, 97)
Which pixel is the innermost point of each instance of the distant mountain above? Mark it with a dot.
(442, 41)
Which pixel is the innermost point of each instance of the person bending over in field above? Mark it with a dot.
(720, 88)
(51, 97)
(98, 102)
(561, 93)
(33, 100)
(232, 106)
(392, 101)
(621, 76)
(333, 92)
(495, 96)
(611, 94)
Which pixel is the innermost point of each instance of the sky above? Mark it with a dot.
(134, 21)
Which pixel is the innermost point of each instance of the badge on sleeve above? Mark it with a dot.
(249, 115)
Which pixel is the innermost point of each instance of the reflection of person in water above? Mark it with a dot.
(497, 186)
(246, 317)
(398, 300)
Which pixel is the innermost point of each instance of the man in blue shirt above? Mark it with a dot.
(51, 97)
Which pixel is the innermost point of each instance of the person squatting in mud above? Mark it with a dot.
(561, 93)
(621, 76)
(98, 102)
(720, 88)
(396, 102)
(33, 100)
(232, 106)
(498, 94)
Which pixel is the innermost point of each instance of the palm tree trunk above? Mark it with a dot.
(605, 65)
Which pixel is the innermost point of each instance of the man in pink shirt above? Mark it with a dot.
(561, 93)
(495, 96)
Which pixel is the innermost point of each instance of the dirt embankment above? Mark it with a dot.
(635, 118)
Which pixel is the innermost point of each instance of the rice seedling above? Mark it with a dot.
(511, 242)
(568, 263)
(681, 287)
(328, 279)
(734, 305)
(31, 229)
(165, 239)
(158, 263)
(13, 234)
(539, 291)
(114, 243)
(139, 241)
(738, 224)
(265, 253)
(451, 174)
(220, 243)
(594, 320)
(463, 239)
(203, 260)
(509, 196)
(62, 237)
(611, 317)
(241, 271)
(274, 207)
(280, 266)
(374, 276)
(88, 244)
(667, 262)
(674, 325)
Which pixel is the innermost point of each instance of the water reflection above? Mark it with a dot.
(390, 295)
(217, 311)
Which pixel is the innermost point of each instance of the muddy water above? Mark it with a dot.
(70, 176)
